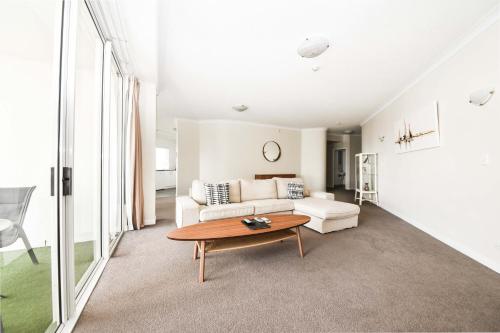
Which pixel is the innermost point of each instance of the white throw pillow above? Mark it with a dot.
(258, 189)
(234, 190)
(198, 192)
(282, 185)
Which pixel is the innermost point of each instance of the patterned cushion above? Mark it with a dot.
(282, 185)
(217, 194)
(295, 191)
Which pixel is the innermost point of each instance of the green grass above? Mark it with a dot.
(27, 306)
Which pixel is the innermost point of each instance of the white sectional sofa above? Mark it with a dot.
(269, 196)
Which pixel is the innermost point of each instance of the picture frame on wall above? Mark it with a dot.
(418, 129)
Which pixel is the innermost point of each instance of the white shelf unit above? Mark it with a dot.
(366, 172)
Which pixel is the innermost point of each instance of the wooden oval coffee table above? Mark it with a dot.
(231, 234)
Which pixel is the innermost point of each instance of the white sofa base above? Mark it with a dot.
(324, 226)
(259, 197)
(187, 211)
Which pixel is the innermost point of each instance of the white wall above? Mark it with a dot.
(220, 150)
(313, 158)
(147, 109)
(448, 191)
(231, 150)
(223, 149)
(188, 154)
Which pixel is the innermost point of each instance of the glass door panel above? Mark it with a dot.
(30, 32)
(115, 152)
(87, 147)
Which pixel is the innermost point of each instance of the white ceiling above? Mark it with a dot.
(219, 53)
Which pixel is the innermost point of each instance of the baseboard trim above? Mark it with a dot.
(150, 221)
(448, 241)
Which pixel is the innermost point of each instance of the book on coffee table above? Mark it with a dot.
(255, 223)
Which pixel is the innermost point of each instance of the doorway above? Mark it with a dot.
(339, 167)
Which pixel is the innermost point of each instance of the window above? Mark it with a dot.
(162, 159)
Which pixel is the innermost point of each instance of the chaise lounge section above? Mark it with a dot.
(268, 196)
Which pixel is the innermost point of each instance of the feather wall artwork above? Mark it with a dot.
(417, 129)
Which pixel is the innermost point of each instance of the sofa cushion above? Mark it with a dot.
(234, 190)
(282, 185)
(258, 189)
(295, 191)
(225, 211)
(217, 194)
(271, 205)
(322, 195)
(198, 191)
(326, 209)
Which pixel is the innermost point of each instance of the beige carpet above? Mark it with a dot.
(384, 275)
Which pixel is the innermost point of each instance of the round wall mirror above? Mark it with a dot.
(271, 151)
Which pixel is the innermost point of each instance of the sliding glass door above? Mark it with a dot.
(61, 176)
(85, 147)
(30, 32)
(114, 140)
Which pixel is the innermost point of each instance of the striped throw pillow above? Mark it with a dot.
(295, 191)
(217, 194)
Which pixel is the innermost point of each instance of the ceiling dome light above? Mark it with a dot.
(240, 108)
(313, 47)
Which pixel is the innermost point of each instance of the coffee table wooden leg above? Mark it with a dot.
(299, 240)
(195, 253)
(201, 278)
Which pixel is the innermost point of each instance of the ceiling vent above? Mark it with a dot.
(313, 47)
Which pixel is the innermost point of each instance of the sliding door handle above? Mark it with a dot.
(52, 179)
(67, 180)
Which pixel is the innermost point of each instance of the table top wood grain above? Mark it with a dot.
(232, 227)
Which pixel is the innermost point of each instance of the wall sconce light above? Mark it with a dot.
(481, 97)
(381, 138)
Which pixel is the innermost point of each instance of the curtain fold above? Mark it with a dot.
(133, 164)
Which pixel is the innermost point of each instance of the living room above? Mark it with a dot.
(321, 166)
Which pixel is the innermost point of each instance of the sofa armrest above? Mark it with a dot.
(323, 195)
(187, 211)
